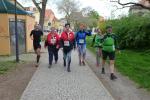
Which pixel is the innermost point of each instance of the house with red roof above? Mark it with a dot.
(50, 19)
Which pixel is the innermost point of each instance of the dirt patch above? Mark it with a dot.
(13, 83)
(122, 88)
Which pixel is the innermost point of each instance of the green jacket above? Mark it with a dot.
(98, 41)
(109, 43)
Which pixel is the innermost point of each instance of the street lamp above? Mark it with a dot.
(16, 33)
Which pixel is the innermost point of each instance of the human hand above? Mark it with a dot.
(61, 49)
(31, 37)
(74, 48)
(57, 47)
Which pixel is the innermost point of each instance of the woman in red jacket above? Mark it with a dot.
(67, 43)
(52, 42)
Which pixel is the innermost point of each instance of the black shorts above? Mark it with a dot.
(106, 54)
(36, 46)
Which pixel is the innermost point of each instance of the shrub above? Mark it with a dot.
(133, 31)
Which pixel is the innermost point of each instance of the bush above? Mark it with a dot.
(133, 31)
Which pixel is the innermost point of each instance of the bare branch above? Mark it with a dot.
(118, 8)
(37, 5)
(130, 3)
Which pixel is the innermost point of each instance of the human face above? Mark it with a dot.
(82, 27)
(36, 27)
(53, 30)
(67, 28)
(109, 30)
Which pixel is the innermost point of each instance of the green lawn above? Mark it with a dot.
(5, 66)
(134, 64)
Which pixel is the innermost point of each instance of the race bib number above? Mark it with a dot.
(53, 41)
(81, 41)
(66, 43)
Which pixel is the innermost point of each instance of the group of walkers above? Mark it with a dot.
(105, 46)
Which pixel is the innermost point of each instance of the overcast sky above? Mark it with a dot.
(104, 7)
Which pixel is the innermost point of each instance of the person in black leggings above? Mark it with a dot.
(36, 35)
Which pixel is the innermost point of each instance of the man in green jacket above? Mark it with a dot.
(109, 46)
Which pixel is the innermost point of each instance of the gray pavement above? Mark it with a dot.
(57, 84)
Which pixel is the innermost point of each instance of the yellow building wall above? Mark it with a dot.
(29, 21)
(29, 27)
(57, 24)
(18, 16)
(46, 22)
(37, 16)
(5, 48)
(4, 35)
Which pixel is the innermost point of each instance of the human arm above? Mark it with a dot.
(46, 42)
(31, 35)
(116, 38)
(58, 41)
(42, 36)
(88, 32)
(61, 40)
(93, 41)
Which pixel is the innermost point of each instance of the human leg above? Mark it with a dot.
(50, 52)
(111, 65)
(104, 54)
(69, 60)
(56, 55)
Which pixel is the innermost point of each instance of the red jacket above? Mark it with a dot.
(67, 41)
(52, 40)
(66, 37)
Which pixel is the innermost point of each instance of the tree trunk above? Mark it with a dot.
(41, 11)
(41, 20)
(42, 14)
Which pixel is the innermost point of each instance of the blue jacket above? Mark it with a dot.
(81, 37)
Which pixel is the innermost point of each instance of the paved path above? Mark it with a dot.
(23, 57)
(57, 84)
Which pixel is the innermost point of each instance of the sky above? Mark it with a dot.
(103, 7)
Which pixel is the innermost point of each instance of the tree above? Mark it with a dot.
(41, 6)
(87, 15)
(91, 17)
(67, 7)
(85, 11)
(41, 10)
(93, 14)
(129, 4)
